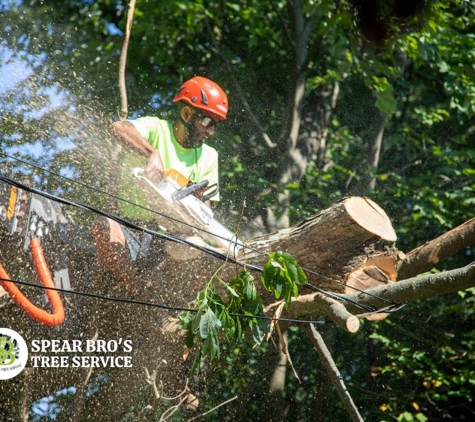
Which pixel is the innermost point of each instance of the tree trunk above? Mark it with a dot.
(374, 137)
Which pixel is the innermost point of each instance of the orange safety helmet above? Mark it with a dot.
(204, 94)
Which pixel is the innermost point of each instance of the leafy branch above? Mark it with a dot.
(215, 320)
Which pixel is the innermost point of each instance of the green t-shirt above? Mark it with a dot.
(197, 164)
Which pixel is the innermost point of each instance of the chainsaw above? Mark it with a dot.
(179, 192)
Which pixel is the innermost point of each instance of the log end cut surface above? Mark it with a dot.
(371, 217)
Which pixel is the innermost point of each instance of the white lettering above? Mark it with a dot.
(35, 345)
(127, 345)
(56, 346)
(102, 361)
(50, 361)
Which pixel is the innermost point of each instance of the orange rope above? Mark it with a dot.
(38, 314)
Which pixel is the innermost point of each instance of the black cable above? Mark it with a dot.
(339, 297)
(154, 305)
(126, 223)
(118, 198)
(341, 284)
(388, 310)
(129, 224)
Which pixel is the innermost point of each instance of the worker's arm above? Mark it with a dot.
(128, 136)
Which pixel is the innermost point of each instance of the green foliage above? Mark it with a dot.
(282, 276)
(214, 316)
(415, 365)
(243, 311)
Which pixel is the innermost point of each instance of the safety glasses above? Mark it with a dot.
(206, 121)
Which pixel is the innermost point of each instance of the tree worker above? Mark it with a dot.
(179, 144)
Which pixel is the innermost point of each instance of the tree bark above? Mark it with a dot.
(392, 294)
(375, 151)
(334, 374)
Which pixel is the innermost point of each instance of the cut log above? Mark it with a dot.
(353, 233)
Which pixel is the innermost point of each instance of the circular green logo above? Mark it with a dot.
(13, 353)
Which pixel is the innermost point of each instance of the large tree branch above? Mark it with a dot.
(416, 288)
(424, 257)
(380, 297)
(334, 374)
(322, 304)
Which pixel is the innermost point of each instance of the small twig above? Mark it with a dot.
(278, 312)
(285, 350)
(171, 410)
(148, 407)
(151, 379)
(213, 409)
(123, 60)
(185, 390)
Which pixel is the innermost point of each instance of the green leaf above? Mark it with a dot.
(209, 324)
(386, 102)
(257, 334)
(196, 322)
(231, 291)
(247, 291)
(282, 274)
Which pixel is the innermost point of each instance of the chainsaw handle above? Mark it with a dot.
(212, 193)
(188, 190)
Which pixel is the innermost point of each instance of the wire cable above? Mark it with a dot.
(170, 237)
(118, 198)
(157, 305)
(126, 223)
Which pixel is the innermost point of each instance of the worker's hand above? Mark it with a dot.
(200, 192)
(154, 169)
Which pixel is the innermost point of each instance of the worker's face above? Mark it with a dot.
(200, 127)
